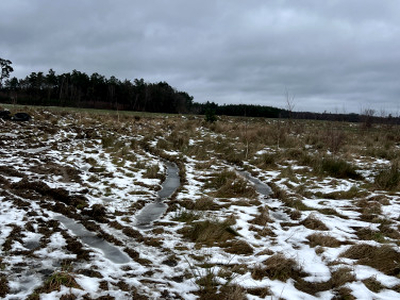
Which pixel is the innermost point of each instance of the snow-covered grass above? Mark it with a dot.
(72, 183)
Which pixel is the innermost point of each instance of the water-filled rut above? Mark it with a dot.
(156, 209)
(89, 238)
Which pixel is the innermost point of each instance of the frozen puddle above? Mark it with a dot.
(153, 211)
(171, 183)
(150, 213)
(110, 252)
(260, 186)
(265, 190)
(36, 150)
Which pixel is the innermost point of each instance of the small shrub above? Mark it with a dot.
(210, 115)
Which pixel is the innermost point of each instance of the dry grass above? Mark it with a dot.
(338, 278)
(205, 203)
(312, 222)
(373, 284)
(239, 247)
(389, 179)
(278, 267)
(318, 239)
(263, 218)
(58, 279)
(4, 287)
(209, 232)
(369, 234)
(383, 258)
(227, 184)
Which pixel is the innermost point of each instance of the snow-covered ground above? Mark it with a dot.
(70, 191)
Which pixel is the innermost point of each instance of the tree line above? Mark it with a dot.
(78, 89)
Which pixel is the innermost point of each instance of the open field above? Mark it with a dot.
(329, 228)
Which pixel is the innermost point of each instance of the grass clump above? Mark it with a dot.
(352, 193)
(153, 172)
(389, 179)
(58, 279)
(209, 232)
(263, 218)
(317, 239)
(278, 267)
(239, 247)
(336, 167)
(205, 203)
(229, 185)
(369, 234)
(312, 222)
(383, 258)
(186, 216)
(338, 278)
(4, 288)
(373, 284)
(220, 179)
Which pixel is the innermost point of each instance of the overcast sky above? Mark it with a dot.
(333, 55)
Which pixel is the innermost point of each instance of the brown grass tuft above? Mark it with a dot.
(317, 239)
(263, 218)
(209, 232)
(4, 288)
(384, 258)
(311, 222)
(278, 267)
(239, 247)
(205, 203)
(373, 284)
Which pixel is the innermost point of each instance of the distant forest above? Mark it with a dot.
(78, 89)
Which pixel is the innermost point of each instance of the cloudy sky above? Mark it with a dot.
(334, 55)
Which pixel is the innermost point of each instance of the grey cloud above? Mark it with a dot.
(329, 54)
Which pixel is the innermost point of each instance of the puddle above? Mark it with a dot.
(110, 252)
(265, 190)
(156, 209)
(9, 135)
(260, 186)
(171, 183)
(32, 244)
(150, 213)
(280, 216)
(36, 150)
